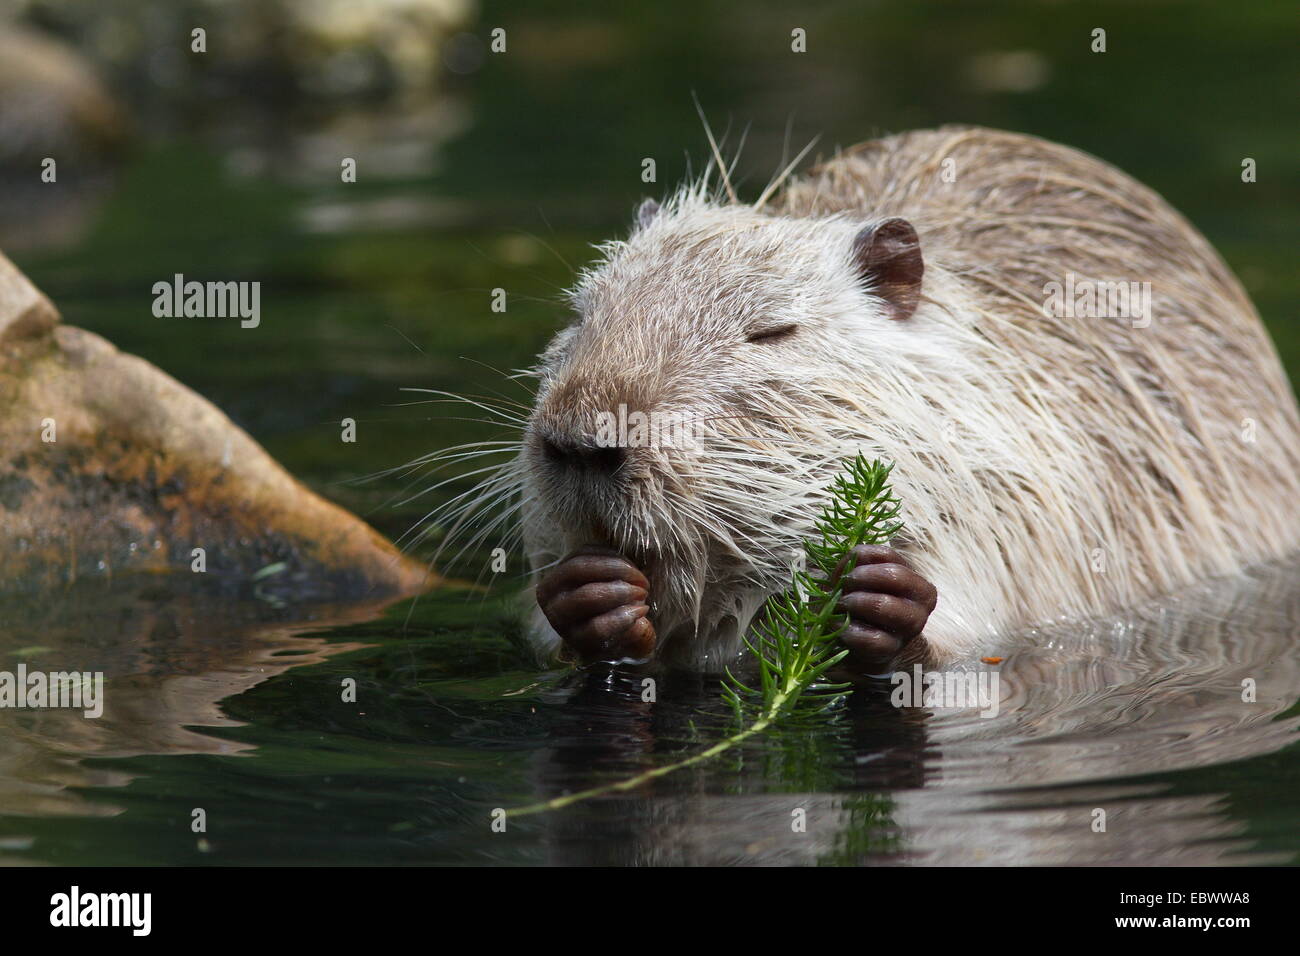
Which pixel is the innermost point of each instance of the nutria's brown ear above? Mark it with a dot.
(647, 211)
(888, 257)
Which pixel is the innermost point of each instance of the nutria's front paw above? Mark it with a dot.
(596, 601)
(888, 604)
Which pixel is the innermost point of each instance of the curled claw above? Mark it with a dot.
(596, 601)
(888, 604)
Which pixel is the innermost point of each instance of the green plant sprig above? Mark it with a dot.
(796, 641)
(797, 637)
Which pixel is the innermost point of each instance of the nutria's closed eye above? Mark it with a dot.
(872, 335)
(773, 334)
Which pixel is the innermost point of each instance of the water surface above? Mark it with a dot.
(229, 700)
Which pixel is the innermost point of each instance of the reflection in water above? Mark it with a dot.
(1087, 712)
(1157, 690)
(169, 655)
(1140, 716)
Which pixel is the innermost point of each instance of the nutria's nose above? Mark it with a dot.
(586, 456)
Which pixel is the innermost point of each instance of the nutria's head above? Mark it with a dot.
(692, 413)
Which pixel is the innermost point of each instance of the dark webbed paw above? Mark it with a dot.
(595, 599)
(888, 604)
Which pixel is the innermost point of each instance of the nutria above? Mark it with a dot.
(904, 300)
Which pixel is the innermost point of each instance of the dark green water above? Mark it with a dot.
(221, 701)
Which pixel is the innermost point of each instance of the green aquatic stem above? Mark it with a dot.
(632, 783)
(797, 639)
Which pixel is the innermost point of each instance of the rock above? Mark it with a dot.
(108, 465)
(52, 103)
(24, 312)
(264, 49)
(53, 106)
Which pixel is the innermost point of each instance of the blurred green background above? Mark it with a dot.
(479, 170)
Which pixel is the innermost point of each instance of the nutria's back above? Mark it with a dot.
(1057, 456)
(1133, 456)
